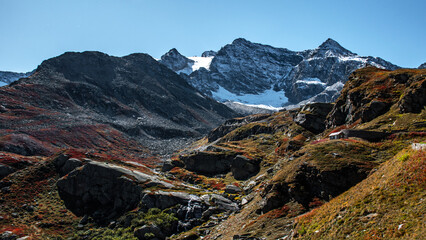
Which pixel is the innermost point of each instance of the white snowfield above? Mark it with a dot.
(2, 84)
(269, 99)
(199, 62)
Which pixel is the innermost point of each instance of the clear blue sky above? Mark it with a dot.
(32, 31)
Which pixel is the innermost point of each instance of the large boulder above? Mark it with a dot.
(243, 168)
(213, 163)
(163, 199)
(104, 191)
(64, 164)
(312, 116)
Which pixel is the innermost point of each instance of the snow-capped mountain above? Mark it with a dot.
(259, 74)
(422, 66)
(9, 77)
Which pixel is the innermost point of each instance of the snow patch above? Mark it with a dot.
(311, 81)
(200, 62)
(268, 99)
(2, 84)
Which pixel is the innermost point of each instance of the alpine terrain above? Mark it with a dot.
(85, 146)
(257, 74)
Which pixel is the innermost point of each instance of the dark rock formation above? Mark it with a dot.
(208, 163)
(103, 191)
(309, 183)
(213, 163)
(313, 116)
(174, 60)
(5, 170)
(370, 92)
(243, 168)
(64, 164)
(163, 199)
(209, 53)
(413, 99)
(221, 203)
(422, 66)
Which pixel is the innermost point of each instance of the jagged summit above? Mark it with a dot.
(331, 48)
(244, 71)
(241, 41)
(422, 66)
(174, 60)
(330, 44)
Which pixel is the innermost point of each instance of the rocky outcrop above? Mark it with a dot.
(104, 191)
(220, 203)
(175, 61)
(310, 182)
(422, 66)
(5, 170)
(313, 116)
(414, 98)
(214, 163)
(209, 53)
(370, 92)
(163, 199)
(64, 164)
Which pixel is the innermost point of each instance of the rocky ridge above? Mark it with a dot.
(133, 96)
(243, 67)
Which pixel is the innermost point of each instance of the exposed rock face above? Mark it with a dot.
(422, 66)
(243, 67)
(209, 163)
(163, 200)
(313, 116)
(136, 95)
(371, 92)
(213, 163)
(103, 191)
(9, 77)
(64, 164)
(223, 204)
(174, 60)
(209, 53)
(414, 99)
(5, 170)
(309, 182)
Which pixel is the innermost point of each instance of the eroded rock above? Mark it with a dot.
(104, 191)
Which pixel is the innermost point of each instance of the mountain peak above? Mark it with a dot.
(241, 41)
(330, 44)
(333, 46)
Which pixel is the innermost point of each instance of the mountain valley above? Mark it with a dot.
(94, 146)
